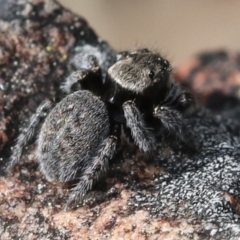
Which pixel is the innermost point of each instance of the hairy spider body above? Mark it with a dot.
(72, 135)
(80, 133)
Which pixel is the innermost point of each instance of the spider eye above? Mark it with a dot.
(151, 74)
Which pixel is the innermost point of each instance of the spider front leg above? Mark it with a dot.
(139, 131)
(172, 121)
(180, 100)
(93, 171)
(26, 136)
(87, 77)
(175, 125)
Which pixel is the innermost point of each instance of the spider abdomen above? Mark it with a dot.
(71, 136)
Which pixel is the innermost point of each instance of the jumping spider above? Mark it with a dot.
(80, 133)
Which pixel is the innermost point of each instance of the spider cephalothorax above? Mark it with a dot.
(80, 133)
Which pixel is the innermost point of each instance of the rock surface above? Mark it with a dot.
(37, 40)
(180, 195)
(214, 77)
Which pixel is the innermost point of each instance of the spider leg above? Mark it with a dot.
(187, 103)
(180, 100)
(26, 136)
(140, 133)
(96, 168)
(128, 134)
(87, 77)
(173, 122)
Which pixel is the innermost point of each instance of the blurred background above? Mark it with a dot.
(179, 29)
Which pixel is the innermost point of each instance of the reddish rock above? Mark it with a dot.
(214, 77)
(35, 43)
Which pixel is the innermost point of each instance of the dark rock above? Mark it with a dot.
(203, 187)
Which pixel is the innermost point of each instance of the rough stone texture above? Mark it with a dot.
(214, 77)
(180, 195)
(36, 41)
(202, 187)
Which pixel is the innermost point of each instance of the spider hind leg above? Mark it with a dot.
(27, 135)
(95, 169)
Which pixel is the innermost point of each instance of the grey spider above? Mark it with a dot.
(80, 133)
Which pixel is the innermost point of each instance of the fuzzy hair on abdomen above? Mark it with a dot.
(72, 135)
